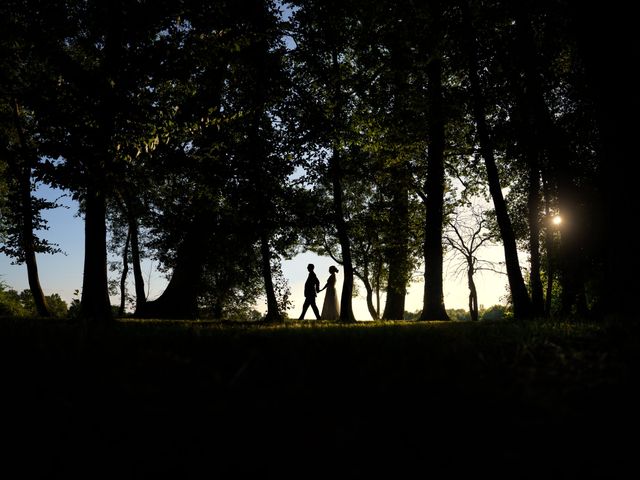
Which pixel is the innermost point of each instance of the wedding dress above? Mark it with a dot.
(330, 307)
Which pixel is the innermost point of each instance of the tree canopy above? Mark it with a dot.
(220, 138)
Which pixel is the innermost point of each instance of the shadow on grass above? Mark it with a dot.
(307, 400)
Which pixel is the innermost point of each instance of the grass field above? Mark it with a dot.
(307, 400)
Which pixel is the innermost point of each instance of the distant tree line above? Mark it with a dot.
(22, 304)
(219, 138)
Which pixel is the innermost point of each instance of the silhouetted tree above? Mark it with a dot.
(519, 295)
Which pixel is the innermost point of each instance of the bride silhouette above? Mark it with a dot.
(330, 307)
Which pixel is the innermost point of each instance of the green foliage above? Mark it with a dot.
(14, 304)
(74, 309)
(56, 304)
(10, 302)
(458, 314)
(495, 312)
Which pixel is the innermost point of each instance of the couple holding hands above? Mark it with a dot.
(330, 307)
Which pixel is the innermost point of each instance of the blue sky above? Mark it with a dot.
(62, 273)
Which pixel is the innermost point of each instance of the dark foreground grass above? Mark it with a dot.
(401, 400)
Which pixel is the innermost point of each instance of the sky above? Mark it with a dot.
(62, 273)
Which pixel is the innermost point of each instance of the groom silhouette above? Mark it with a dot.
(311, 288)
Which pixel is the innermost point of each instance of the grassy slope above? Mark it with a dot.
(504, 399)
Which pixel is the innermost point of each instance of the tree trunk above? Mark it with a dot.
(95, 304)
(473, 293)
(433, 300)
(606, 44)
(335, 172)
(23, 176)
(369, 297)
(549, 246)
(273, 312)
(123, 277)
(141, 297)
(346, 308)
(519, 295)
(533, 143)
(370, 306)
(574, 220)
(259, 53)
(180, 298)
(377, 282)
(574, 231)
(397, 238)
(533, 203)
(398, 248)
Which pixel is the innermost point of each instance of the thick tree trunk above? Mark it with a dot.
(273, 312)
(398, 248)
(397, 238)
(346, 308)
(94, 304)
(606, 43)
(433, 300)
(615, 94)
(23, 176)
(335, 173)
(519, 294)
(259, 54)
(180, 298)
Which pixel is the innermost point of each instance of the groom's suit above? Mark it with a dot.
(311, 288)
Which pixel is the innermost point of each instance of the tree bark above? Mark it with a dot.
(398, 248)
(533, 204)
(95, 304)
(23, 177)
(273, 312)
(123, 277)
(346, 308)
(180, 298)
(335, 172)
(433, 300)
(369, 297)
(473, 293)
(138, 279)
(606, 39)
(397, 241)
(519, 295)
(539, 137)
(549, 246)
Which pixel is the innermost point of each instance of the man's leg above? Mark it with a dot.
(307, 302)
(314, 307)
